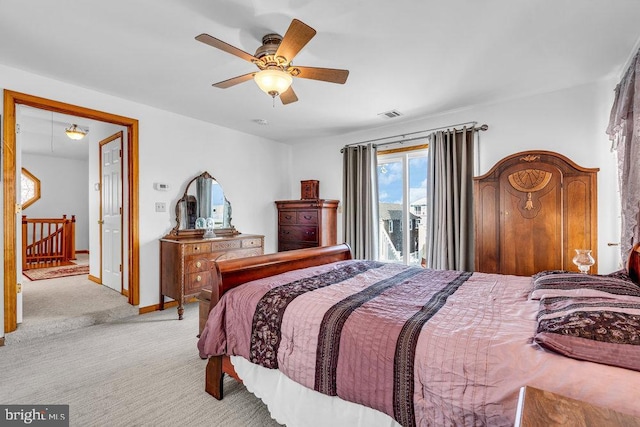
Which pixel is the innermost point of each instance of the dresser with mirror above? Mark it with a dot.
(203, 234)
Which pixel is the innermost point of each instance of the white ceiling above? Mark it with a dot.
(419, 57)
(43, 133)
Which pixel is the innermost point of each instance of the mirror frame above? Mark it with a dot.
(198, 233)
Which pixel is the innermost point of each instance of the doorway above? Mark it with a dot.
(11, 99)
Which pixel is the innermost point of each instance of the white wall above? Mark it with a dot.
(571, 122)
(253, 171)
(63, 191)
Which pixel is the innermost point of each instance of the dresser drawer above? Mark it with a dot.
(298, 233)
(252, 243)
(307, 217)
(196, 264)
(242, 253)
(287, 217)
(197, 248)
(226, 244)
(289, 246)
(194, 282)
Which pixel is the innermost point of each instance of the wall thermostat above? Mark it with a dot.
(160, 186)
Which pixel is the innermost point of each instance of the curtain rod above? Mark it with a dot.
(403, 135)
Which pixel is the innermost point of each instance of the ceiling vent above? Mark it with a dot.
(392, 114)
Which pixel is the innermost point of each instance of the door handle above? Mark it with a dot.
(100, 222)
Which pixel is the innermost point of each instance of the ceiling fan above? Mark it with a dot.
(274, 58)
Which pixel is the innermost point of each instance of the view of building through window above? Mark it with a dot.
(402, 198)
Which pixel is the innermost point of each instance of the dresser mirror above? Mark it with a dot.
(203, 210)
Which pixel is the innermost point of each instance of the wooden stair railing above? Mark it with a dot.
(47, 242)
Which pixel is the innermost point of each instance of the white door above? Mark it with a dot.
(111, 221)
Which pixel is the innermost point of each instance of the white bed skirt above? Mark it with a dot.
(294, 405)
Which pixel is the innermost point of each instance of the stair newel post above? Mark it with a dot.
(24, 242)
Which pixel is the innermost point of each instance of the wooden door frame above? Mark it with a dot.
(100, 144)
(11, 99)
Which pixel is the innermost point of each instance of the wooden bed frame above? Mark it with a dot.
(235, 272)
(633, 265)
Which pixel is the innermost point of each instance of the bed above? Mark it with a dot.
(327, 340)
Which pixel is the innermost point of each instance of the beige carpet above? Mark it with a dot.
(59, 305)
(139, 371)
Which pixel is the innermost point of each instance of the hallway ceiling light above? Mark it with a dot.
(74, 132)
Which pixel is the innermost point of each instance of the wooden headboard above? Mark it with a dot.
(633, 265)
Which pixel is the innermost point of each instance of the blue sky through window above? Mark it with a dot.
(390, 180)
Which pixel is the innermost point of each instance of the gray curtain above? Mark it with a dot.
(624, 132)
(360, 200)
(450, 200)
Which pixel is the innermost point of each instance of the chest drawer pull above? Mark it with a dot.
(196, 248)
(198, 264)
(199, 278)
(307, 216)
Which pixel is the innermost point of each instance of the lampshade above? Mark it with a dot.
(74, 132)
(273, 82)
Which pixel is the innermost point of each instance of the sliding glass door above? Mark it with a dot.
(402, 197)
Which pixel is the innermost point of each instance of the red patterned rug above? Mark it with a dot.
(55, 272)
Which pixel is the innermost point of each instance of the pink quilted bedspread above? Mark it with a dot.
(427, 347)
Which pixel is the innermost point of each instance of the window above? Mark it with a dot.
(29, 188)
(402, 196)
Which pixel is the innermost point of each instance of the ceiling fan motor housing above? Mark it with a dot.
(270, 44)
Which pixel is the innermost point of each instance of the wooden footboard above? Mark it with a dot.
(234, 272)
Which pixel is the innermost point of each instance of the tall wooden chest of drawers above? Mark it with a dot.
(306, 223)
(186, 263)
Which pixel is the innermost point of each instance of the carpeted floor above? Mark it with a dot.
(139, 371)
(53, 306)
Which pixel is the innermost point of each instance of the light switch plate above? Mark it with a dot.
(161, 207)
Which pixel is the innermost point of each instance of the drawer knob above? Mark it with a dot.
(196, 248)
(198, 264)
(198, 279)
(288, 216)
(307, 217)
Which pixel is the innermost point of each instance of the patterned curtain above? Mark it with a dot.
(360, 200)
(450, 200)
(624, 133)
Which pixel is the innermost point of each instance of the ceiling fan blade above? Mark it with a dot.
(234, 81)
(331, 75)
(219, 44)
(296, 37)
(288, 96)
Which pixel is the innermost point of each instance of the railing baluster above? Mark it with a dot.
(47, 241)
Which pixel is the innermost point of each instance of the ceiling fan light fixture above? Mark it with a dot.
(75, 133)
(273, 82)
